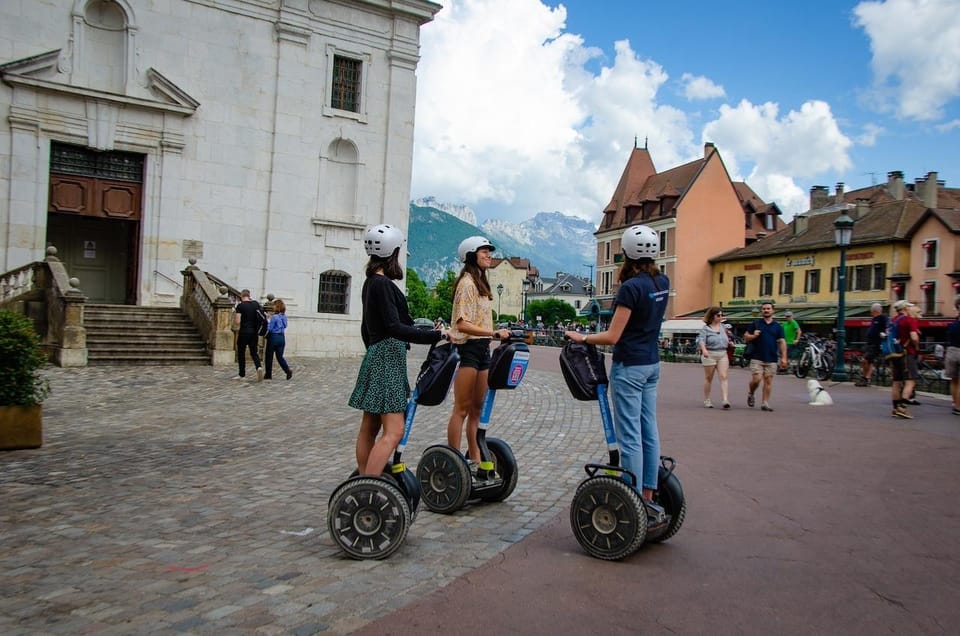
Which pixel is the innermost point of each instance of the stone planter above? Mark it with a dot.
(21, 427)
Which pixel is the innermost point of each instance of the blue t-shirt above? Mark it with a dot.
(953, 334)
(765, 348)
(646, 298)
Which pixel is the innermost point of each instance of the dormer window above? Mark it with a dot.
(769, 221)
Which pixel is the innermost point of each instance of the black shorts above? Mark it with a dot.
(904, 368)
(873, 354)
(475, 353)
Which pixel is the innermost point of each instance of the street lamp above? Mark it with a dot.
(523, 301)
(499, 299)
(842, 235)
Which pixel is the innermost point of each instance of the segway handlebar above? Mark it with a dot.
(517, 334)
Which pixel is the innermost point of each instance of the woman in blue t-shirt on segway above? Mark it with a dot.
(641, 302)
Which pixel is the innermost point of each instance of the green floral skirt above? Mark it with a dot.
(382, 385)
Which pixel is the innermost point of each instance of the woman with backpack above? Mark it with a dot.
(640, 303)
(471, 328)
(382, 387)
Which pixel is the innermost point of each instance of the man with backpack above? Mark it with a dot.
(247, 321)
(903, 366)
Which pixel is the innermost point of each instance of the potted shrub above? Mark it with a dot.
(23, 389)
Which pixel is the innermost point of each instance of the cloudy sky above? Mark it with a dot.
(533, 105)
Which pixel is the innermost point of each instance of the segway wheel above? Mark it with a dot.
(411, 488)
(368, 518)
(506, 467)
(670, 497)
(444, 479)
(608, 518)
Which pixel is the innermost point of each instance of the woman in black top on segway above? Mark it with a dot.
(382, 388)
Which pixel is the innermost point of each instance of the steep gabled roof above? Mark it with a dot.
(885, 222)
(639, 168)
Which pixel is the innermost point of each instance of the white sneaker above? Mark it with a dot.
(259, 374)
(707, 404)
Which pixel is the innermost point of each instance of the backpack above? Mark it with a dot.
(262, 322)
(436, 374)
(583, 369)
(891, 347)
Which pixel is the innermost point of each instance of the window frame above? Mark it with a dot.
(786, 283)
(811, 281)
(364, 59)
(343, 296)
(739, 285)
(765, 287)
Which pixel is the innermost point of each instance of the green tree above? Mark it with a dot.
(418, 296)
(550, 311)
(441, 304)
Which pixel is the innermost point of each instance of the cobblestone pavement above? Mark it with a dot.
(172, 499)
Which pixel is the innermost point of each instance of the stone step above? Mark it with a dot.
(135, 335)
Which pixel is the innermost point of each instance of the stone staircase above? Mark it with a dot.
(132, 335)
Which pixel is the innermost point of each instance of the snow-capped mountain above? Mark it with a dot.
(552, 241)
(462, 212)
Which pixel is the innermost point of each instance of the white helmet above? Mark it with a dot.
(471, 245)
(640, 241)
(382, 240)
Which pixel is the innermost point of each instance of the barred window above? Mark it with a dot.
(334, 286)
(346, 84)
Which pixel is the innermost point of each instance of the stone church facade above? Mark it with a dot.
(259, 137)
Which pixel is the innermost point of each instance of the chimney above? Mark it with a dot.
(895, 184)
(863, 206)
(708, 149)
(819, 197)
(929, 191)
(839, 196)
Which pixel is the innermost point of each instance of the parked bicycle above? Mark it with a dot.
(879, 376)
(815, 357)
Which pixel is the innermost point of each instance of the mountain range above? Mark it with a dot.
(552, 241)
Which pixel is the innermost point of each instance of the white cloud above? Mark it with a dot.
(948, 126)
(916, 53)
(869, 135)
(515, 115)
(699, 87)
(801, 144)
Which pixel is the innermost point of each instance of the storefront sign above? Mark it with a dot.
(753, 266)
(799, 262)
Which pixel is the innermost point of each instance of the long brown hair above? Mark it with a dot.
(479, 276)
(279, 307)
(390, 266)
(632, 267)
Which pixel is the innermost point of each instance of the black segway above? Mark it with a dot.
(446, 481)
(368, 517)
(608, 515)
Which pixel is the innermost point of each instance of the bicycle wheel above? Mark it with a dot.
(803, 365)
(824, 367)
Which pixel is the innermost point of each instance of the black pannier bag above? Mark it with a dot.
(583, 368)
(436, 374)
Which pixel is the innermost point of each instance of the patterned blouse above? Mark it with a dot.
(469, 305)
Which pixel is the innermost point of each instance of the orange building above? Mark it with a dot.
(698, 212)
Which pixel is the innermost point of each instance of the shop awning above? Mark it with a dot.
(820, 314)
(681, 325)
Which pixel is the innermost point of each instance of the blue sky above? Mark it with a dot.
(532, 105)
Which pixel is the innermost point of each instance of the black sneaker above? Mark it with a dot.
(912, 402)
(751, 402)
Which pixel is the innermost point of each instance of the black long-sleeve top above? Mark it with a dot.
(386, 315)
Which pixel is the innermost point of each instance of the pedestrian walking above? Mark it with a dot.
(769, 345)
(951, 360)
(903, 369)
(247, 317)
(876, 332)
(277, 340)
(712, 341)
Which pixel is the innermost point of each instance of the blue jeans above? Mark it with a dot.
(276, 343)
(634, 390)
